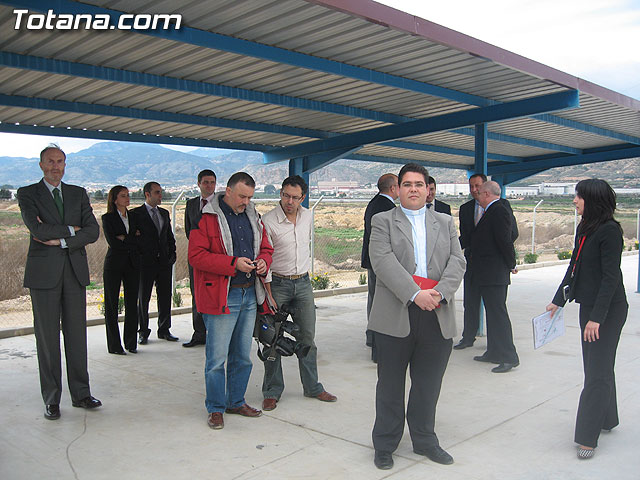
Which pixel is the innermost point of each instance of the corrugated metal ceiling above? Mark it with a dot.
(300, 26)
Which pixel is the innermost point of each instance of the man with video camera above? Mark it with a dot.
(228, 251)
(288, 226)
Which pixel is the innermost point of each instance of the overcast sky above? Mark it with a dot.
(597, 40)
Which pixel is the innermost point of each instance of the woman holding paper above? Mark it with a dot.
(594, 280)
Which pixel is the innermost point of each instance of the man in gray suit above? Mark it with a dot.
(61, 222)
(413, 326)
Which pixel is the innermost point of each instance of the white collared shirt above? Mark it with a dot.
(419, 231)
(291, 243)
(125, 220)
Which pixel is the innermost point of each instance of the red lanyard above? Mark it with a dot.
(578, 255)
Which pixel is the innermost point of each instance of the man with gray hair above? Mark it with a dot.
(61, 224)
(490, 263)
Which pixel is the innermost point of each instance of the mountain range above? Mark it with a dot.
(133, 164)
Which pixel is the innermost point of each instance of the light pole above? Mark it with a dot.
(533, 231)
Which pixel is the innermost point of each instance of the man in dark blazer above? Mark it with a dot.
(469, 215)
(437, 205)
(383, 201)
(60, 222)
(491, 262)
(192, 215)
(157, 256)
(413, 325)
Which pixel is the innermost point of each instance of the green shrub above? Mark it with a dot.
(636, 245)
(531, 258)
(362, 279)
(320, 281)
(120, 304)
(177, 298)
(563, 255)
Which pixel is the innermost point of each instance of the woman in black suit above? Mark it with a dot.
(594, 280)
(121, 264)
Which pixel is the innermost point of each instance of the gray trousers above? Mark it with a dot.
(298, 295)
(64, 304)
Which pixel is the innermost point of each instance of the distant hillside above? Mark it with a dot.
(133, 164)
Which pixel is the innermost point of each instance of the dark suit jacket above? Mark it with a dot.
(192, 214)
(466, 216)
(45, 263)
(442, 207)
(492, 256)
(598, 278)
(378, 204)
(121, 254)
(157, 250)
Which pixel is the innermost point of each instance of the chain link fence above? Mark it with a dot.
(338, 226)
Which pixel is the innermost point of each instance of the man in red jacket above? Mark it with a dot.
(227, 251)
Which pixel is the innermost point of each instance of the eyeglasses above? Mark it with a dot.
(286, 196)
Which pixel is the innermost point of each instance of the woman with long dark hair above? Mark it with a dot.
(594, 280)
(121, 265)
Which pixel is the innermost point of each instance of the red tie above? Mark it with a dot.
(204, 202)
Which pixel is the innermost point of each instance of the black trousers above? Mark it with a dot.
(371, 287)
(130, 278)
(500, 347)
(598, 407)
(471, 302)
(199, 330)
(161, 276)
(426, 352)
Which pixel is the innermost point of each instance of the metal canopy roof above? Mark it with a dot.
(306, 80)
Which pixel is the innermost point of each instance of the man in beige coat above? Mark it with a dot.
(413, 326)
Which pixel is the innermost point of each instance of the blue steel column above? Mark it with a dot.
(481, 167)
(296, 167)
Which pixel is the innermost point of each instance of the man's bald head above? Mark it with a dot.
(488, 192)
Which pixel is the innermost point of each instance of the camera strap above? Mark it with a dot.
(269, 354)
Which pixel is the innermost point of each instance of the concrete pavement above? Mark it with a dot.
(517, 425)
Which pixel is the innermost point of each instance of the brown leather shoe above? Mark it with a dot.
(269, 404)
(215, 420)
(326, 397)
(245, 410)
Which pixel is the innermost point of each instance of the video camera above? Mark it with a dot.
(271, 332)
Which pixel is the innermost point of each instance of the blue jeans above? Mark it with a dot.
(298, 295)
(229, 340)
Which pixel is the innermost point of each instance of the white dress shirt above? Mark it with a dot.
(291, 243)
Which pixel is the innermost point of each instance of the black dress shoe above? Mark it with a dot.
(121, 352)
(383, 460)
(87, 402)
(435, 454)
(52, 412)
(462, 344)
(484, 358)
(133, 350)
(143, 339)
(504, 367)
(167, 336)
(193, 343)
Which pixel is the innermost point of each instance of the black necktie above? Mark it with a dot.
(57, 199)
(429, 205)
